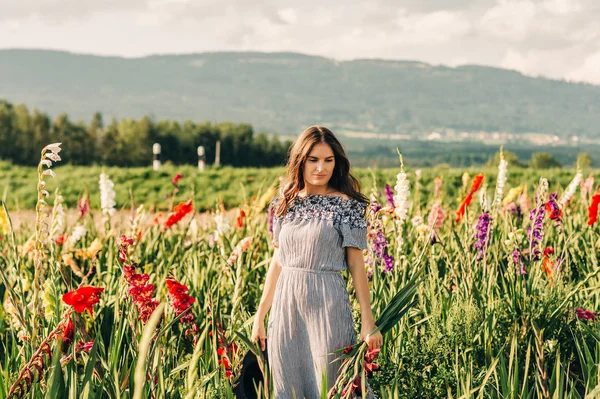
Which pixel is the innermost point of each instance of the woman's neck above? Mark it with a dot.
(310, 189)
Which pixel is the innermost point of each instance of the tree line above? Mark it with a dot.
(128, 142)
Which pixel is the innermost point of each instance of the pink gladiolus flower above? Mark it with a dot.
(585, 314)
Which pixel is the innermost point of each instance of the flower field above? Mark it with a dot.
(157, 301)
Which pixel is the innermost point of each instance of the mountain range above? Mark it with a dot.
(285, 92)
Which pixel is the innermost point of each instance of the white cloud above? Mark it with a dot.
(556, 38)
(433, 28)
(589, 71)
(561, 7)
(510, 20)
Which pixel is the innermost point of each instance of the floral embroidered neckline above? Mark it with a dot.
(325, 196)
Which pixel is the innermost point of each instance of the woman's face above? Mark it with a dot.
(319, 164)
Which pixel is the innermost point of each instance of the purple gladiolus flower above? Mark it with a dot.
(389, 194)
(481, 236)
(375, 206)
(380, 244)
(389, 262)
(535, 231)
(518, 262)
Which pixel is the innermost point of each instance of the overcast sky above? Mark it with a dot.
(553, 38)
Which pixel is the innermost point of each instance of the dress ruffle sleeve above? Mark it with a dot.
(353, 224)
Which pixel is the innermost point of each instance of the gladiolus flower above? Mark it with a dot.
(84, 206)
(389, 195)
(477, 180)
(548, 267)
(179, 212)
(535, 231)
(240, 219)
(67, 334)
(60, 240)
(548, 251)
(402, 193)
(239, 249)
(83, 298)
(181, 301)
(177, 177)
(585, 314)
(437, 186)
(593, 209)
(85, 346)
(107, 195)
(481, 236)
(570, 190)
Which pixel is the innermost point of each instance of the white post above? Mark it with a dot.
(218, 153)
(156, 160)
(201, 158)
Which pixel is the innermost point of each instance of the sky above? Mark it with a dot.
(551, 38)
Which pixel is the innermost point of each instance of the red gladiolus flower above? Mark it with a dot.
(548, 251)
(181, 301)
(84, 346)
(67, 334)
(83, 298)
(240, 219)
(477, 180)
(347, 349)
(124, 244)
(177, 177)
(178, 213)
(554, 213)
(585, 314)
(369, 358)
(84, 206)
(60, 240)
(593, 209)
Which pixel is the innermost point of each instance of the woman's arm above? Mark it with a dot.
(266, 300)
(356, 265)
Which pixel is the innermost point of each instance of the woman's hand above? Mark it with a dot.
(374, 341)
(259, 333)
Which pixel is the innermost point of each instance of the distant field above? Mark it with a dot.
(231, 185)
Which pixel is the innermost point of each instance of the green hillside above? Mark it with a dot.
(285, 92)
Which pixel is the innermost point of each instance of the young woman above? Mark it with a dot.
(319, 229)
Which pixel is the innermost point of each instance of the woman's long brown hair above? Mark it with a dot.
(341, 179)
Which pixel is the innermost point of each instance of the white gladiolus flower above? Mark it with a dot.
(45, 193)
(542, 190)
(107, 195)
(502, 175)
(483, 201)
(58, 217)
(54, 147)
(223, 225)
(78, 233)
(194, 229)
(571, 189)
(52, 156)
(417, 220)
(402, 193)
(46, 162)
(49, 172)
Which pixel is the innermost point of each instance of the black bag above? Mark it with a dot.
(250, 376)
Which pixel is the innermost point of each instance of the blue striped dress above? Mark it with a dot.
(311, 315)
